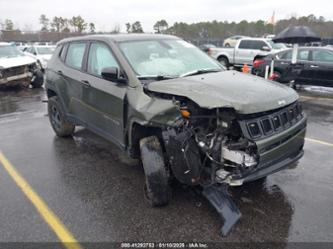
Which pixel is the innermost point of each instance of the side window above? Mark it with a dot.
(303, 55)
(286, 55)
(258, 45)
(100, 57)
(321, 55)
(75, 54)
(63, 51)
(245, 44)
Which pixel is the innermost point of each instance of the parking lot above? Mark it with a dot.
(97, 193)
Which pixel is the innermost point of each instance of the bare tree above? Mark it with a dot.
(92, 27)
(78, 23)
(9, 25)
(44, 21)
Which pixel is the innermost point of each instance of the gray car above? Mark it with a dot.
(166, 102)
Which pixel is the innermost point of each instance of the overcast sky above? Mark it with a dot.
(108, 13)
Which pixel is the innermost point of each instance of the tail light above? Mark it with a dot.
(258, 62)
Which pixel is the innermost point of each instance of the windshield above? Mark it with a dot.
(171, 57)
(9, 51)
(277, 45)
(45, 50)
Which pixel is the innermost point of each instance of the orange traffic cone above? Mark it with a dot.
(245, 68)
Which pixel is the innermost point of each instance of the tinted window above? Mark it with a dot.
(321, 55)
(100, 57)
(75, 55)
(245, 44)
(286, 55)
(303, 55)
(258, 45)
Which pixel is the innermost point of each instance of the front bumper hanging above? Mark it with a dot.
(218, 196)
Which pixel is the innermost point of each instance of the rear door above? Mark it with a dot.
(306, 74)
(243, 52)
(71, 73)
(322, 66)
(103, 100)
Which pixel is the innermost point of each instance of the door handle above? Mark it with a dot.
(85, 83)
(314, 66)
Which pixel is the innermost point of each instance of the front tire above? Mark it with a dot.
(57, 118)
(38, 79)
(157, 189)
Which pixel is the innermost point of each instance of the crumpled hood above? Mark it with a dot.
(243, 92)
(15, 61)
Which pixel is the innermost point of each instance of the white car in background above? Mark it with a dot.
(41, 53)
(16, 68)
(231, 41)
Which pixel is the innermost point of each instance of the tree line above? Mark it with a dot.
(201, 30)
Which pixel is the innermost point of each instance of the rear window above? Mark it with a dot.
(75, 53)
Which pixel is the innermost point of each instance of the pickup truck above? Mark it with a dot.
(245, 52)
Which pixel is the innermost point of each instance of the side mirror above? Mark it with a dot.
(112, 74)
(266, 49)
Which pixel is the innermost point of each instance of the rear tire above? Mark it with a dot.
(157, 189)
(223, 61)
(227, 45)
(57, 118)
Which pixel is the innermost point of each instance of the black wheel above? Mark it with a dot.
(223, 61)
(57, 118)
(157, 189)
(227, 45)
(38, 79)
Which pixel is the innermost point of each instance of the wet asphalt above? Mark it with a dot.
(97, 192)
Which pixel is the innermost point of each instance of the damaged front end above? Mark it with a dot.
(208, 147)
(211, 148)
(21, 75)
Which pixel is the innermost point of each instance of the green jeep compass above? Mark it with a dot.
(187, 118)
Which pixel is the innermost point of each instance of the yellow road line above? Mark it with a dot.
(50, 218)
(318, 141)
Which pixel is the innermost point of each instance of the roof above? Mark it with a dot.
(255, 38)
(120, 37)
